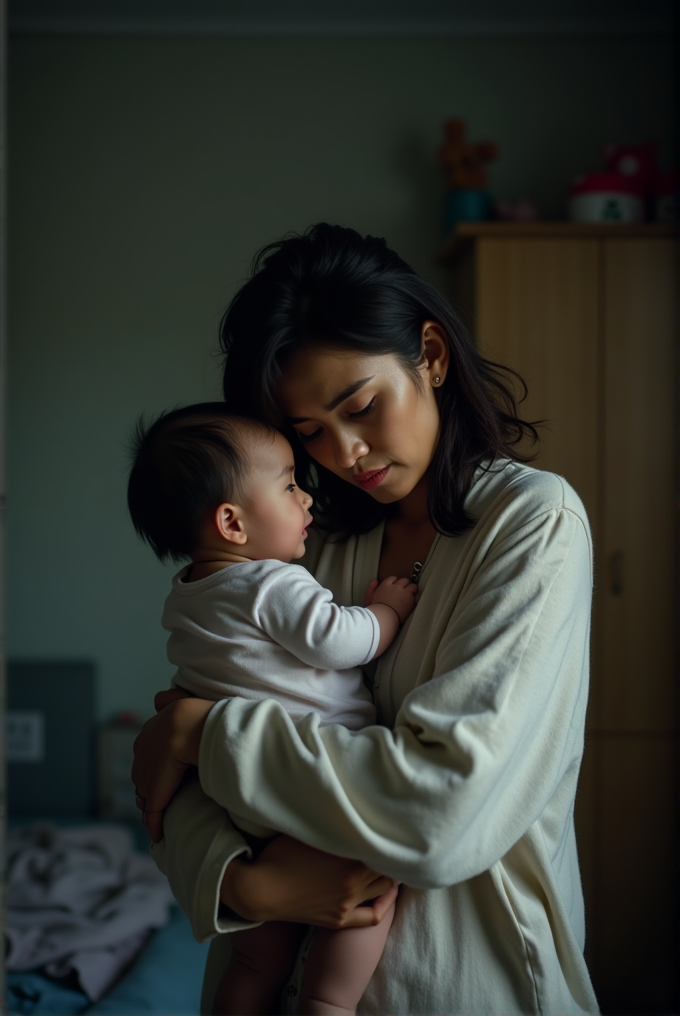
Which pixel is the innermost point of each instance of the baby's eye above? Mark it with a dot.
(365, 411)
(290, 488)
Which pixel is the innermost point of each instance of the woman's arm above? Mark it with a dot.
(477, 751)
(294, 882)
(200, 844)
(207, 860)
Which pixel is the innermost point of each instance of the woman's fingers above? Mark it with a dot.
(372, 912)
(165, 747)
(156, 774)
(168, 695)
(379, 886)
(153, 821)
(291, 881)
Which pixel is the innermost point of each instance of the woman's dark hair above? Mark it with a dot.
(185, 464)
(332, 288)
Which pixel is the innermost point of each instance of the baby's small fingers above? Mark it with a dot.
(407, 586)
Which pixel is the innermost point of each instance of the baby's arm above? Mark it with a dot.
(391, 600)
(300, 615)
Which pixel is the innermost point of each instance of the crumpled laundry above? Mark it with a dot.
(80, 900)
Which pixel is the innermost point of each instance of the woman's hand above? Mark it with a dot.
(290, 881)
(166, 746)
(163, 698)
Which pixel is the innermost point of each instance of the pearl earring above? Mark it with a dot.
(437, 380)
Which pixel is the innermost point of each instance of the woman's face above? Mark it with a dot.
(364, 417)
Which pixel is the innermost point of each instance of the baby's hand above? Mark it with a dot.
(400, 594)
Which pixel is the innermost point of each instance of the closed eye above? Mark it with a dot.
(306, 438)
(365, 411)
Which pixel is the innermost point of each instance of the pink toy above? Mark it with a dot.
(605, 197)
(521, 210)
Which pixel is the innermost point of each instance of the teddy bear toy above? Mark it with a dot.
(465, 175)
(464, 164)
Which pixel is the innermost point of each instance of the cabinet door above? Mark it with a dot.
(536, 310)
(627, 807)
(630, 810)
(639, 541)
(590, 325)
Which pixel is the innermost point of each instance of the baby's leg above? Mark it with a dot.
(261, 961)
(339, 967)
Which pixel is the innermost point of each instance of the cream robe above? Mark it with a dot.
(465, 794)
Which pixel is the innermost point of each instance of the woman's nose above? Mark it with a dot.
(349, 448)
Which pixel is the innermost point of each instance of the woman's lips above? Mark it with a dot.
(372, 478)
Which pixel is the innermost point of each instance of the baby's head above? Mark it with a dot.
(203, 479)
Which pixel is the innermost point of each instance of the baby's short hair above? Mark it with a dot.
(185, 464)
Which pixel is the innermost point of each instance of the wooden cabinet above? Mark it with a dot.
(588, 315)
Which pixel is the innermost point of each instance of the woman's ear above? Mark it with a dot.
(435, 349)
(229, 523)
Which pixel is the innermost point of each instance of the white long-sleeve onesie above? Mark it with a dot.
(467, 791)
(267, 629)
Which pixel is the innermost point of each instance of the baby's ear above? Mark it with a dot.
(228, 519)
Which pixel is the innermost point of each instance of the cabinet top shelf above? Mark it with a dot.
(466, 232)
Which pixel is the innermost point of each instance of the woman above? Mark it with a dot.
(407, 440)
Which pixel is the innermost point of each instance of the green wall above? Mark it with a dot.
(143, 175)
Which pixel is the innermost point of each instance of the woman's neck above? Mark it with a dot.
(411, 511)
(408, 535)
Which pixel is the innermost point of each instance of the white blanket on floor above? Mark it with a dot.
(80, 899)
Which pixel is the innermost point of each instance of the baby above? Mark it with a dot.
(220, 490)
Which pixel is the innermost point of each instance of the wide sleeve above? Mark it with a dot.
(199, 842)
(300, 615)
(477, 750)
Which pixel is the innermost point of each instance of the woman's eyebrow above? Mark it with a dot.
(344, 394)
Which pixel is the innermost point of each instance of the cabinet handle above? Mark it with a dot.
(616, 572)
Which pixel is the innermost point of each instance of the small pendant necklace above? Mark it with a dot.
(417, 569)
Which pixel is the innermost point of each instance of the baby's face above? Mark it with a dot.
(276, 511)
